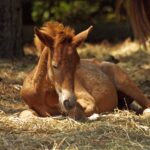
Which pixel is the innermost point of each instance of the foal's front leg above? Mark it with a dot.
(85, 106)
(33, 92)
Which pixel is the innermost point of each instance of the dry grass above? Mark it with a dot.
(121, 130)
(118, 130)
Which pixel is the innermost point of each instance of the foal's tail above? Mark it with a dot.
(112, 59)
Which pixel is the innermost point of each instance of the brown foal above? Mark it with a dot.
(62, 83)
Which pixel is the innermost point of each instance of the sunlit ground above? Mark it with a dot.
(116, 130)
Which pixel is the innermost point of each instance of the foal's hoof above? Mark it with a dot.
(94, 117)
(146, 112)
(28, 114)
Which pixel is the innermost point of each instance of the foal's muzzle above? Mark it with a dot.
(67, 99)
(69, 103)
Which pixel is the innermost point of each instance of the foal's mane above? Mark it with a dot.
(57, 31)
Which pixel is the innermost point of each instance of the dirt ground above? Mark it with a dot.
(120, 129)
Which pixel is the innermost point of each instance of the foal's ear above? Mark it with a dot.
(81, 37)
(44, 38)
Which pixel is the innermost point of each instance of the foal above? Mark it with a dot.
(62, 83)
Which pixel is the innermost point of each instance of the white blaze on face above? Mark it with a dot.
(63, 95)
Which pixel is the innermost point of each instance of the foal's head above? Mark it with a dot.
(64, 58)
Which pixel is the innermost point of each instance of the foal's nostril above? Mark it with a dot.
(69, 104)
(66, 104)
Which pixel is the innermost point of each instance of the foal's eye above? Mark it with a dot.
(55, 65)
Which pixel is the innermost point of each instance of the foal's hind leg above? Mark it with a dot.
(124, 84)
(124, 101)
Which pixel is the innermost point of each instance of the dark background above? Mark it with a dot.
(18, 17)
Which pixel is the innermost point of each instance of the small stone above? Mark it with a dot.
(28, 114)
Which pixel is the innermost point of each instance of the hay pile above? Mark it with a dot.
(118, 130)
